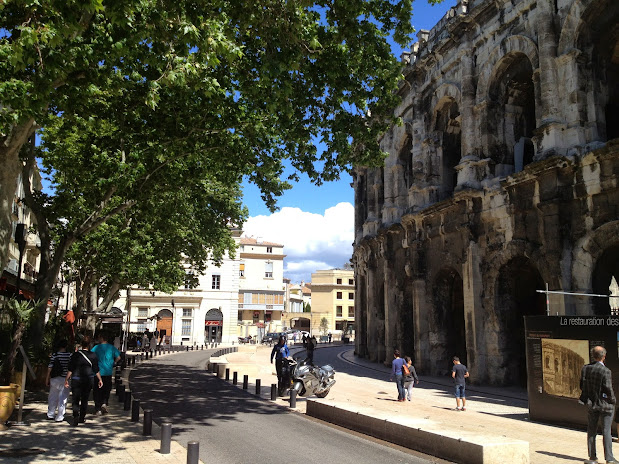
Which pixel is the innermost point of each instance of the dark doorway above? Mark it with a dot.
(448, 322)
(606, 267)
(213, 326)
(516, 297)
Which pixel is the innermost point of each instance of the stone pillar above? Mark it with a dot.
(371, 326)
(391, 307)
(473, 314)
(420, 318)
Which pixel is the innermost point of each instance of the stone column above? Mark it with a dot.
(371, 327)
(420, 318)
(473, 313)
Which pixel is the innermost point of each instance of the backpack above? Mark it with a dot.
(56, 368)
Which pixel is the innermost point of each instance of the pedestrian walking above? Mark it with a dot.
(330, 337)
(411, 379)
(280, 352)
(397, 371)
(304, 340)
(459, 373)
(598, 395)
(56, 373)
(107, 355)
(311, 346)
(83, 367)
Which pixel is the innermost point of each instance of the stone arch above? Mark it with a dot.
(447, 327)
(573, 23)
(515, 296)
(587, 255)
(512, 44)
(213, 325)
(165, 319)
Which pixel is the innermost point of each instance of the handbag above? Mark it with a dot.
(405, 370)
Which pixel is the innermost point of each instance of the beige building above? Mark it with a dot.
(333, 298)
(298, 297)
(261, 287)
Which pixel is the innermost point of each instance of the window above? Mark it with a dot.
(268, 270)
(338, 311)
(186, 327)
(351, 311)
(339, 281)
(351, 282)
(142, 312)
(216, 282)
(141, 325)
(188, 279)
(242, 270)
(339, 295)
(351, 296)
(186, 312)
(269, 249)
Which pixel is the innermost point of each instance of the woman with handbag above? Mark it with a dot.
(411, 378)
(83, 367)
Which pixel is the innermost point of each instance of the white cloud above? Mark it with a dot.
(311, 241)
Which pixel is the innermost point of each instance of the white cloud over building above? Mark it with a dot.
(311, 241)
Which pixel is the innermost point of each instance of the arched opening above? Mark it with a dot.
(448, 326)
(300, 323)
(165, 318)
(213, 326)
(606, 269)
(599, 42)
(405, 160)
(515, 298)
(512, 114)
(448, 126)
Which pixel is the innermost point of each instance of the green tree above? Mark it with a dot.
(324, 326)
(247, 85)
(307, 308)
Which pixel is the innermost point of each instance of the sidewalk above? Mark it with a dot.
(110, 439)
(492, 414)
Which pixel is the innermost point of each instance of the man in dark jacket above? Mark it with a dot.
(82, 369)
(597, 394)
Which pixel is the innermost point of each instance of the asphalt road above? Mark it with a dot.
(235, 427)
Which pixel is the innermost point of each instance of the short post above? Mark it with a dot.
(202, 348)
(118, 384)
(121, 394)
(132, 361)
(234, 378)
(227, 373)
(148, 422)
(135, 410)
(187, 348)
(166, 438)
(127, 405)
(293, 398)
(273, 391)
(245, 381)
(193, 452)
(257, 386)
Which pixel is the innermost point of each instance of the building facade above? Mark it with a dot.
(261, 287)
(502, 179)
(298, 298)
(333, 298)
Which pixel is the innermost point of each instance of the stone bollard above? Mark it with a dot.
(293, 398)
(147, 430)
(258, 387)
(166, 438)
(273, 392)
(135, 410)
(245, 381)
(127, 405)
(234, 378)
(193, 452)
(227, 373)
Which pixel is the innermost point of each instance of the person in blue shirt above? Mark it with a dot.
(396, 370)
(108, 355)
(280, 352)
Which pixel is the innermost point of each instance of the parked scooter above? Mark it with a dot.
(309, 380)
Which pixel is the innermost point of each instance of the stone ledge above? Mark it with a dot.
(455, 446)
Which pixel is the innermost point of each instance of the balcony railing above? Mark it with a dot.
(261, 307)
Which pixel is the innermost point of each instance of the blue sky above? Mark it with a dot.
(315, 224)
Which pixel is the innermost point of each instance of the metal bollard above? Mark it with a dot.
(166, 438)
(234, 378)
(257, 386)
(293, 398)
(227, 373)
(127, 405)
(135, 410)
(148, 422)
(118, 384)
(202, 348)
(245, 381)
(132, 361)
(193, 452)
(273, 391)
(187, 348)
(121, 394)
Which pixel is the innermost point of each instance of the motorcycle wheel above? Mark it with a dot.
(323, 394)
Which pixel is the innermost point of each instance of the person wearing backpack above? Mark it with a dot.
(56, 372)
(83, 367)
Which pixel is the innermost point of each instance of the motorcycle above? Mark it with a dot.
(308, 379)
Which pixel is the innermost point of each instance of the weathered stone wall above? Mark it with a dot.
(501, 179)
